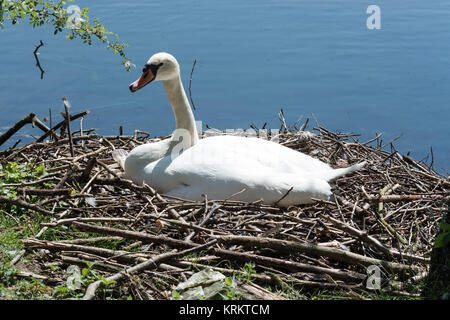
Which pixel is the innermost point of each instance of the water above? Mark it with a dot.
(253, 58)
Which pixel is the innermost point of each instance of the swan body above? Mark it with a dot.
(248, 169)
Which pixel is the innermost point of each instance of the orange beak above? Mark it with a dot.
(144, 80)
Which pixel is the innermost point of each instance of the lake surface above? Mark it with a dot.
(253, 58)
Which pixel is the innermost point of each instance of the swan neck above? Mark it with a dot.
(181, 108)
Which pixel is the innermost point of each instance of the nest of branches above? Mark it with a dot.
(377, 231)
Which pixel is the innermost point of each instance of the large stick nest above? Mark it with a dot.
(385, 215)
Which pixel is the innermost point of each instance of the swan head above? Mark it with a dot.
(161, 66)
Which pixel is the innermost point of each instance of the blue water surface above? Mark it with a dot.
(309, 57)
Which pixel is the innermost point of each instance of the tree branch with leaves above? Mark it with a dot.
(73, 20)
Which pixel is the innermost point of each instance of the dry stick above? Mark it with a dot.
(78, 219)
(45, 279)
(189, 226)
(207, 217)
(410, 197)
(81, 131)
(16, 143)
(88, 184)
(172, 212)
(268, 279)
(101, 266)
(64, 178)
(287, 264)
(107, 168)
(38, 123)
(25, 120)
(381, 218)
(93, 153)
(372, 140)
(17, 257)
(54, 246)
(190, 83)
(58, 125)
(11, 216)
(38, 63)
(134, 235)
(373, 241)
(87, 171)
(91, 240)
(282, 120)
(23, 204)
(347, 203)
(69, 132)
(284, 196)
(50, 122)
(45, 192)
(49, 177)
(152, 262)
(312, 249)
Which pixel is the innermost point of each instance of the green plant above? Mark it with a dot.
(72, 290)
(13, 173)
(73, 19)
(230, 291)
(176, 295)
(7, 274)
(249, 269)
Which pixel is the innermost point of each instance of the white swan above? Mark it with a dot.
(220, 166)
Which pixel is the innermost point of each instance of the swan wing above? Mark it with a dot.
(248, 168)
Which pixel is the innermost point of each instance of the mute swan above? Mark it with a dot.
(220, 166)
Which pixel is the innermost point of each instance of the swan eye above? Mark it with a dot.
(153, 67)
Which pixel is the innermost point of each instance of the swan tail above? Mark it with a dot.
(337, 173)
(119, 155)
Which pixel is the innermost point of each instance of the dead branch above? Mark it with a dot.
(38, 63)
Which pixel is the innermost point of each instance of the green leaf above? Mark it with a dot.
(176, 295)
(228, 281)
(40, 12)
(84, 272)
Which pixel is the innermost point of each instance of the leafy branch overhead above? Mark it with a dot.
(71, 19)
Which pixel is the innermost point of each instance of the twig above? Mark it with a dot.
(190, 83)
(24, 204)
(284, 196)
(372, 241)
(46, 192)
(207, 217)
(38, 63)
(381, 218)
(287, 264)
(290, 246)
(25, 120)
(58, 125)
(69, 132)
(144, 237)
(152, 262)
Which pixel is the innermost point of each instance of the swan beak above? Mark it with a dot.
(144, 80)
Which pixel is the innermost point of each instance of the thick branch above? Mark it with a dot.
(23, 204)
(144, 237)
(312, 249)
